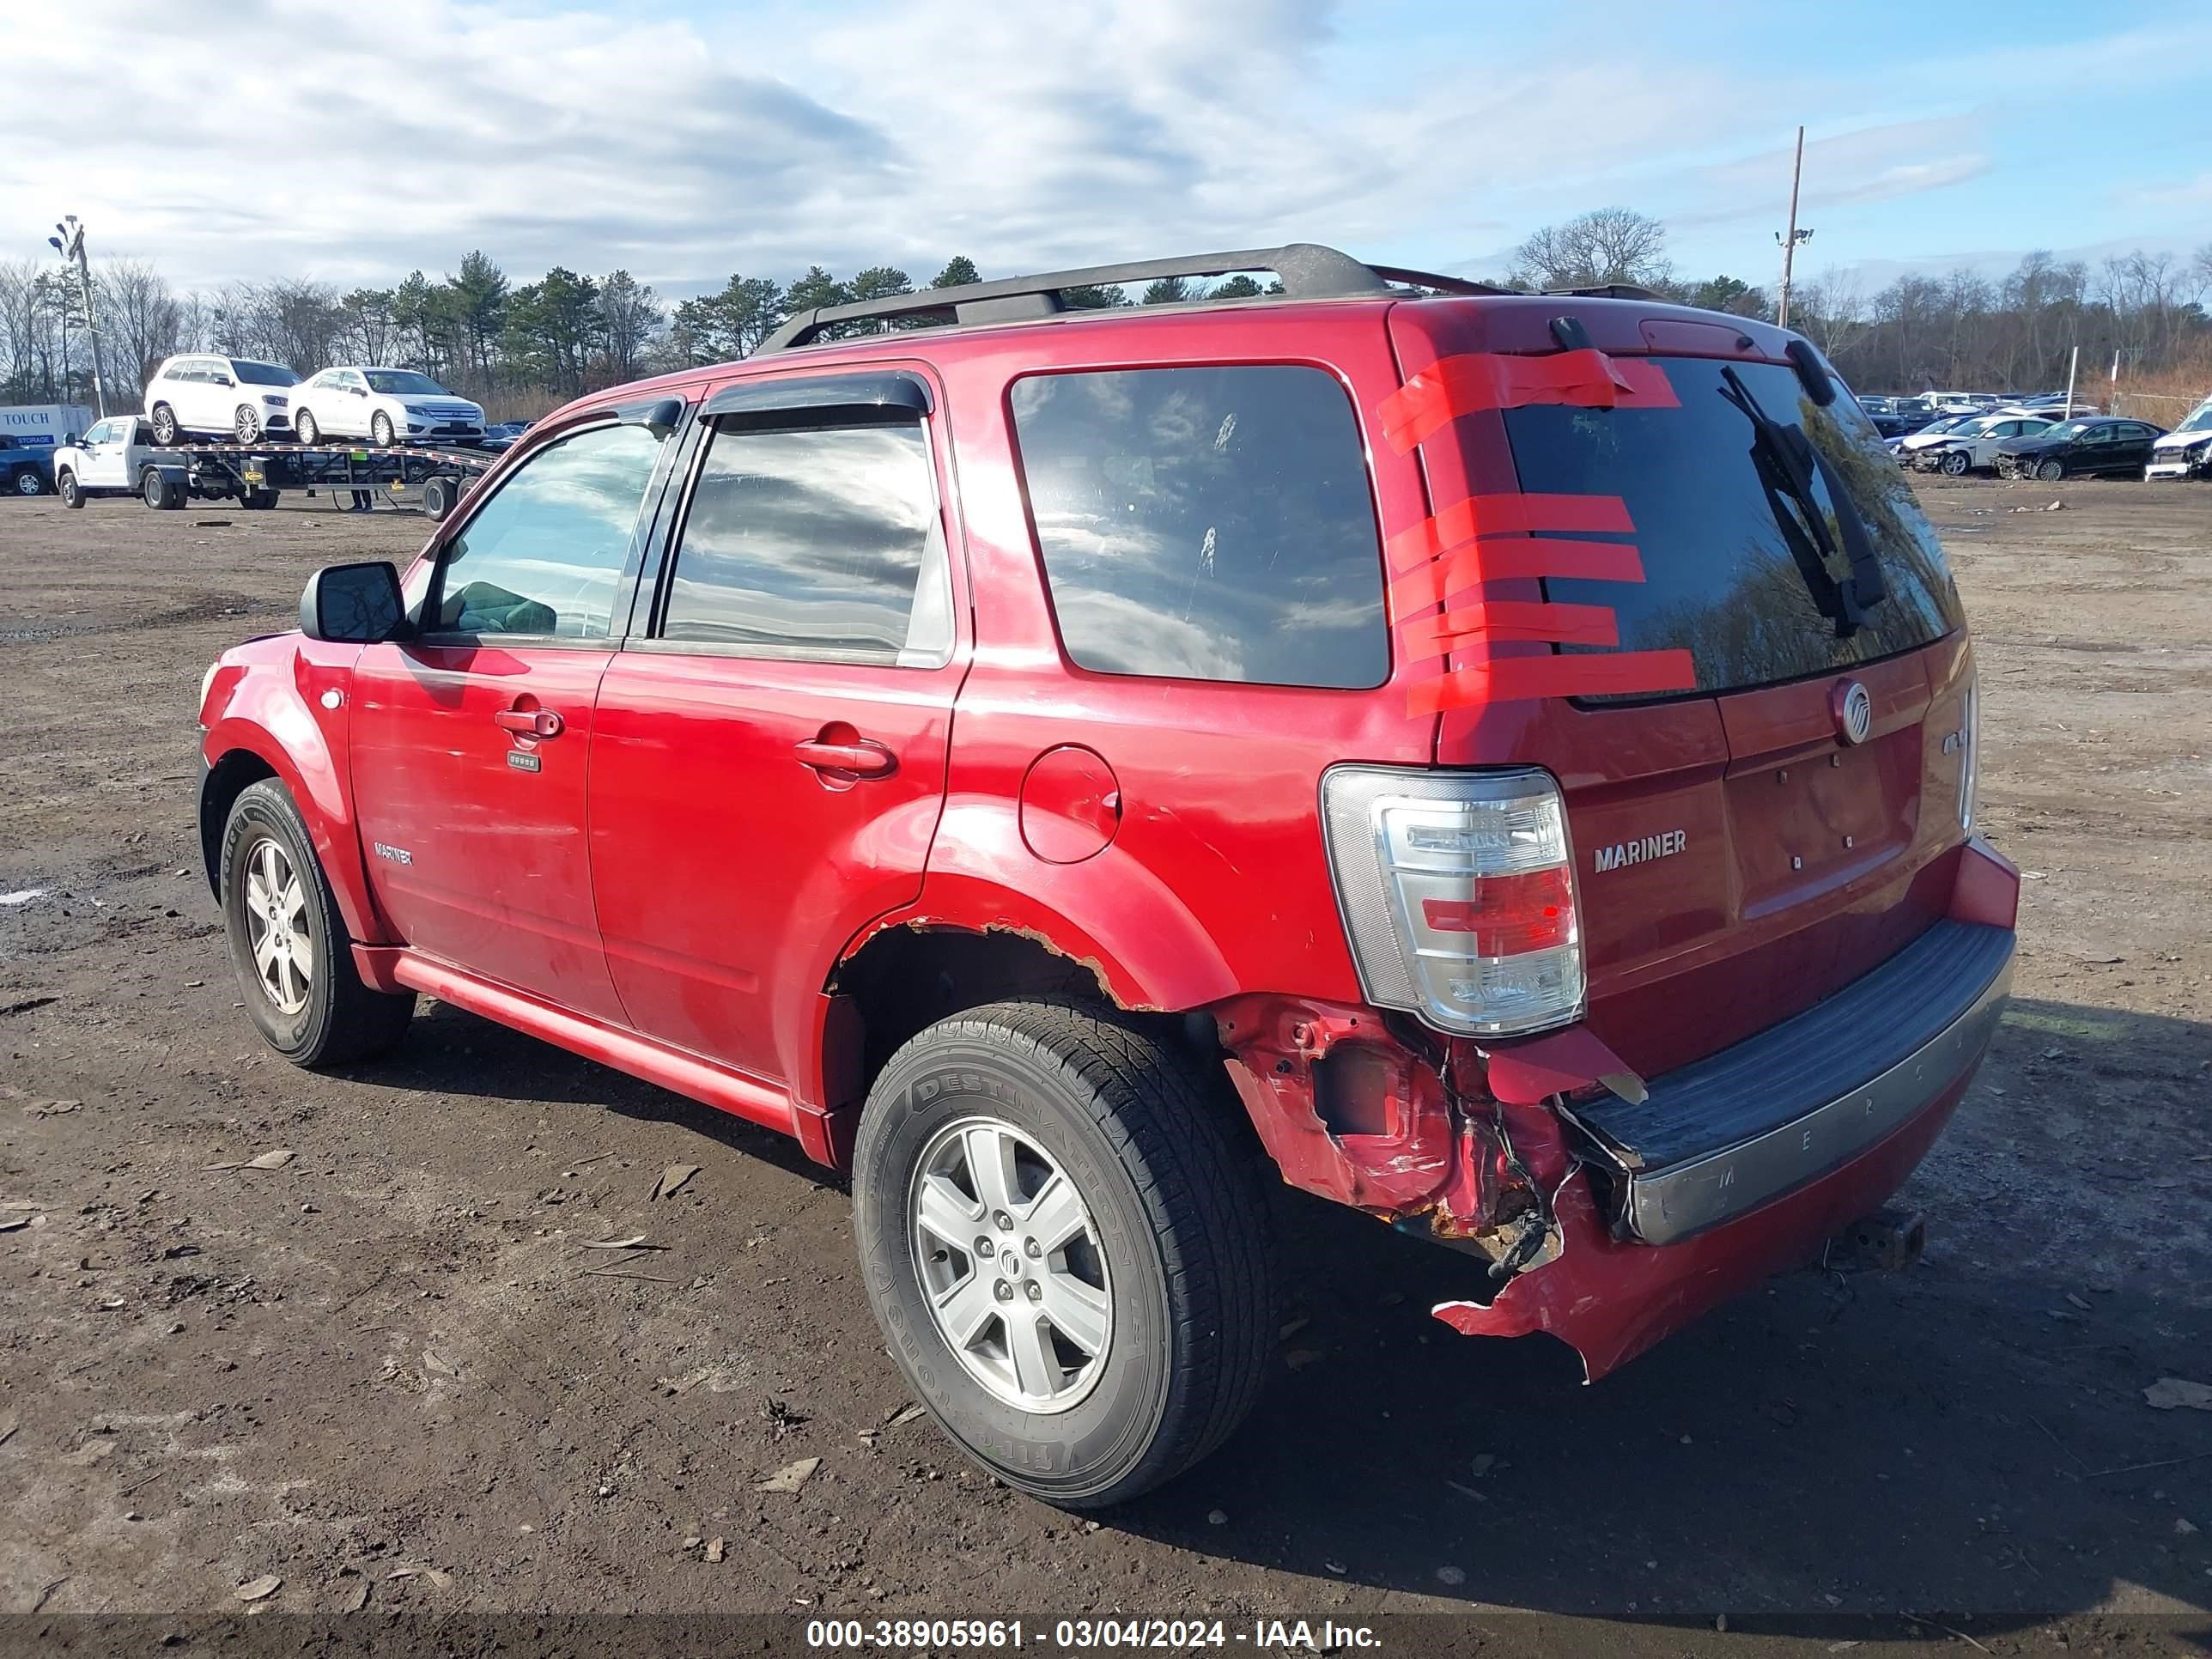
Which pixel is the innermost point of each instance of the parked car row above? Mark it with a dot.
(2021, 442)
(200, 396)
(1899, 417)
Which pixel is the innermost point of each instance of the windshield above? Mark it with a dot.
(1720, 576)
(404, 383)
(2200, 418)
(263, 373)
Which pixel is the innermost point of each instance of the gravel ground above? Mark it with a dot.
(389, 1354)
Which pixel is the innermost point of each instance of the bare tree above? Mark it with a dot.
(1611, 245)
(142, 321)
(20, 325)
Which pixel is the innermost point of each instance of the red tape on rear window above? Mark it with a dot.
(1510, 619)
(1506, 515)
(1620, 672)
(1500, 558)
(1479, 380)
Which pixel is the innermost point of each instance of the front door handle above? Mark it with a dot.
(863, 757)
(530, 722)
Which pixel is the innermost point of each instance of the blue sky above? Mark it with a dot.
(683, 142)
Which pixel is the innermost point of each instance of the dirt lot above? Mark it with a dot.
(388, 1354)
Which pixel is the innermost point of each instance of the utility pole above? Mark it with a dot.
(1790, 241)
(2073, 364)
(68, 241)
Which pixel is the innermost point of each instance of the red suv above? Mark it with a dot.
(1502, 762)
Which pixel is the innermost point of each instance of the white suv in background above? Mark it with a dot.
(386, 406)
(220, 397)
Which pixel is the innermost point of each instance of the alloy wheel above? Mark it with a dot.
(1010, 1265)
(276, 927)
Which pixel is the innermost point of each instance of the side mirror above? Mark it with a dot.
(224, 379)
(358, 390)
(353, 604)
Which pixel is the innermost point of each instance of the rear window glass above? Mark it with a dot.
(1211, 524)
(1720, 577)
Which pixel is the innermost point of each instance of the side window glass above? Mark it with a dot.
(1211, 524)
(545, 556)
(823, 542)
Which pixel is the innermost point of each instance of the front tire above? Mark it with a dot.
(2051, 472)
(1065, 1248)
(380, 430)
(165, 425)
(246, 425)
(288, 941)
(1956, 463)
(72, 492)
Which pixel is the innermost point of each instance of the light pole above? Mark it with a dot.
(1796, 238)
(68, 241)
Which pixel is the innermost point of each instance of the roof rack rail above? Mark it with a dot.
(1604, 291)
(1307, 271)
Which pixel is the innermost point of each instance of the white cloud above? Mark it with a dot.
(356, 144)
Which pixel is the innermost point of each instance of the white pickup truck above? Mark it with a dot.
(118, 457)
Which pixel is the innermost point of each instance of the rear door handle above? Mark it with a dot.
(863, 757)
(530, 722)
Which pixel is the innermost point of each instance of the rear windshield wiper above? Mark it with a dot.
(1787, 460)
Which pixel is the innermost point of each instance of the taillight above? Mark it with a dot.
(1457, 893)
(1970, 754)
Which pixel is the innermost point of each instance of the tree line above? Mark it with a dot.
(520, 347)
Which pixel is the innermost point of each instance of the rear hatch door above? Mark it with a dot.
(1743, 848)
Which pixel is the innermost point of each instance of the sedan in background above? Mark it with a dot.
(1904, 449)
(502, 434)
(386, 406)
(1972, 447)
(2075, 449)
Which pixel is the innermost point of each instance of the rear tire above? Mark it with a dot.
(157, 492)
(72, 492)
(304, 427)
(288, 941)
(440, 496)
(2051, 472)
(1163, 1261)
(27, 482)
(165, 425)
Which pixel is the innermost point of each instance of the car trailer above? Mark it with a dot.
(256, 475)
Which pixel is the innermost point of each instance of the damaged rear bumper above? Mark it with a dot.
(1610, 1211)
(1744, 1165)
(1610, 1299)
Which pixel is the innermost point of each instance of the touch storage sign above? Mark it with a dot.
(43, 426)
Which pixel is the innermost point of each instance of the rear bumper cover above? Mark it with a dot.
(1728, 1133)
(1811, 1168)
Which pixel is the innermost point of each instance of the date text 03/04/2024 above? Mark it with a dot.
(988, 1634)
